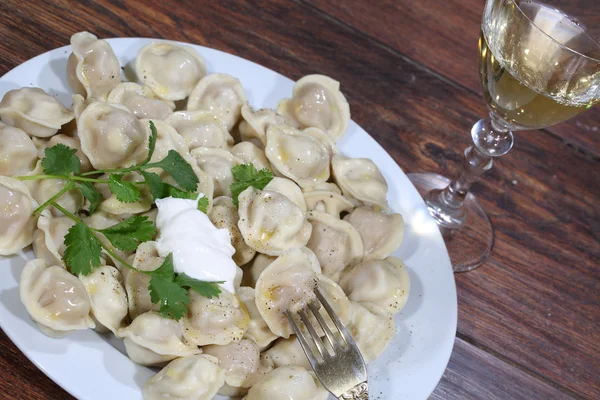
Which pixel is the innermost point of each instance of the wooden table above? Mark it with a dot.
(529, 320)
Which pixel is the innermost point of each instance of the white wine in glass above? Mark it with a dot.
(537, 67)
(526, 79)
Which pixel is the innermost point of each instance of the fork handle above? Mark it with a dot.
(358, 392)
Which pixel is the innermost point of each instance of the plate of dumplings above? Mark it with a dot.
(337, 211)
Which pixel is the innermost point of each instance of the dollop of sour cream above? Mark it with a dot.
(200, 250)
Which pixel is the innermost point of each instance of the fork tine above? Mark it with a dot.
(335, 345)
(302, 339)
(342, 330)
(315, 336)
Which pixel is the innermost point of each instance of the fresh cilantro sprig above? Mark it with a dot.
(61, 162)
(128, 234)
(164, 291)
(171, 290)
(84, 250)
(244, 176)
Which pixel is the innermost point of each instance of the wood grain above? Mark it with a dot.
(536, 302)
(488, 378)
(442, 36)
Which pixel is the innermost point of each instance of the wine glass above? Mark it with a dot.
(537, 67)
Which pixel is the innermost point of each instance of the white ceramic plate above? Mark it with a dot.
(94, 367)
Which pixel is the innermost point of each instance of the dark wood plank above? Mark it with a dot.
(20, 379)
(548, 226)
(442, 35)
(473, 374)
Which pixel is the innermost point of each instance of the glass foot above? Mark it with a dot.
(471, 245)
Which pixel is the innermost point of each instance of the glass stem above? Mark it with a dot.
(490, 139)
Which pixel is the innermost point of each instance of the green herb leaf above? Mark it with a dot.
(179, 169)
(203, 288)
(126, 192)
(171, 297)
(90, 192)
(244, 176)
(172, 191)
(203, 204)
(83, 250)
(61, 160)
(151, 143)
(128, 234)
(155, 183)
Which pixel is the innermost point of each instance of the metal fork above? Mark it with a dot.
(340, 367)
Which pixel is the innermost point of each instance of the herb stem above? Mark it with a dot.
(112, 171)
(38, 177)
(61, 177)
(82, 179)
(117, 258)
(67, 213)
(52, 199)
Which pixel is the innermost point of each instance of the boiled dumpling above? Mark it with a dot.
(93, 70)
(258, 330)
(18, 154)
(201, 128)
(318, 102)
(42, 190)
(384, 283)
(222, 94)
(224, 215)
(167, 139)
(381, 233)
(54, 298)
(253, 269)
(337, 299)
(217, 163)
(34, 111)
(169, 69)
(302, 156)
(254, 125)
(249, 153)
(360, 179)
(327, 200)
(136, 283)
(219, 320)
(288, 283)
(270, 222)
(335, 242)
(288, 352)
(371, 342)
(196, 377)
(16, 221)
(48, 239)
(288, 383)
(159, 338)
(107, 297)
(289, 189)
(242, 364)
(206, 184)
(141, 101)
(111, 136)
